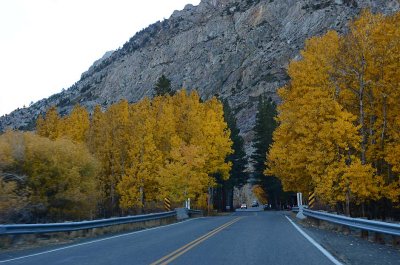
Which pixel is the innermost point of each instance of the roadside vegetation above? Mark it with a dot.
(46, 180)
(336, 132)
(267, 189)
(338, 128)
(123, 160)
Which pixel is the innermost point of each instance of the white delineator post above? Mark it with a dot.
(300, 214)
(187, 203)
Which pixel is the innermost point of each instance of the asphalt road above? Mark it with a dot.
(246, 237)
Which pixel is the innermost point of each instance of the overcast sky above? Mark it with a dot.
(45, 45)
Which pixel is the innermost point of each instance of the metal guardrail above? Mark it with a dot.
(191, 211)
(363, 224)
(73, 226)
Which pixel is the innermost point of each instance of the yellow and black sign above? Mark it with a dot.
(167, 204)
(311, 200)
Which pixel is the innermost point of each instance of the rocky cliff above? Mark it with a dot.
(230, 48)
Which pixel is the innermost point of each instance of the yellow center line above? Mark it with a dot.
(195, 244)
(172, 256)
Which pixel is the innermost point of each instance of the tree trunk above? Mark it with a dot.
(363, 209)
(347, 213)
(141, 197)
(361, 93)
(112, 198)
(384, 125)
(208, 200)
(362, 123)
(231, 192)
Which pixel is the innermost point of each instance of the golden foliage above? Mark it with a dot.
(171, 146)
(339, 118)
(185, 143)
(60, 175)
(50, 125)
(11, 200)
(260, 194)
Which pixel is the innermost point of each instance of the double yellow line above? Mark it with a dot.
(180, 251)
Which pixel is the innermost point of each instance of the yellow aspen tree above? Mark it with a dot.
(260, 194)
(12, 200)
(216, 137)
(166, 124)
(175, 146)
(189, 114)
(97, 132)
(167, 142)
(353, 77)
(115, 148)
(96, 142)
(190, 119)
(75, 126)
(40, 125)
(316, 135)
(60, 176)
(289, 155)
(139, 183)
(385, 63)
(183, 176)
(202, 125)
(49, 126)
(367, 72)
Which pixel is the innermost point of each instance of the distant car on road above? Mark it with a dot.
(243, 206)
(267, 207)
(255, 204)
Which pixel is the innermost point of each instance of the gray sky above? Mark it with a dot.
(45, 45)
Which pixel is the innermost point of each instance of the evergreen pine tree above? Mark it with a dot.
(163, 86)
(264, 128)
(238, 175)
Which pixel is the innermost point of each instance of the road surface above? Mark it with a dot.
(245, 237)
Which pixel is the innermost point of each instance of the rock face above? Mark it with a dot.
(236, 49)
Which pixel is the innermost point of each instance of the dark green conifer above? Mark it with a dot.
(163, 87)
(264, 128)
(238, 174)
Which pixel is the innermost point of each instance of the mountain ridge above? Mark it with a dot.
(237, 50)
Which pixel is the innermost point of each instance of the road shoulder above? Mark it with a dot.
(350, 249)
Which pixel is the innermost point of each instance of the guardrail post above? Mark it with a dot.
(378, 238)
(6, 241)
(396, 241)
(182, 213)
(364, 234)
(300, 214)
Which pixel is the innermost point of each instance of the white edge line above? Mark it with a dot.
(318, 246)
(95, 241)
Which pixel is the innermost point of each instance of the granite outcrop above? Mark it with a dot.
(237, 50)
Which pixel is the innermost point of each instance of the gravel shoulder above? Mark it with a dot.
(350, 248)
